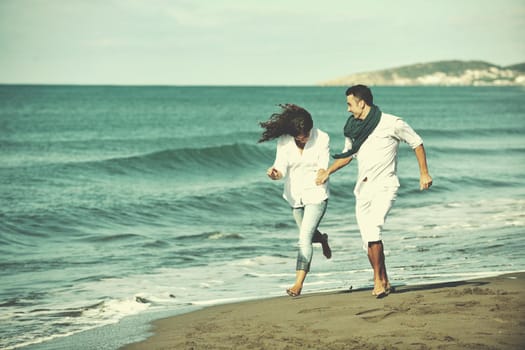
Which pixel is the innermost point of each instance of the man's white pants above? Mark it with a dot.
(371, 209)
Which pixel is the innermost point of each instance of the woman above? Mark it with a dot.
(301, 152)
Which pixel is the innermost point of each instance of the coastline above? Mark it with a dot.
(483, 313)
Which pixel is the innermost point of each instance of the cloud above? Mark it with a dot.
(251, 41)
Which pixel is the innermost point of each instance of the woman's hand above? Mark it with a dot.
(274, 174)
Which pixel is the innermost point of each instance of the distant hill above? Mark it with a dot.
(518, 67)
(444, 73)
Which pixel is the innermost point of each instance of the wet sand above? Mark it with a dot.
(486, 313)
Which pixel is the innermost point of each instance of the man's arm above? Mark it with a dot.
(425, 180)
(323, 175)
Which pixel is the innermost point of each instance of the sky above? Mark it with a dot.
(246, 42)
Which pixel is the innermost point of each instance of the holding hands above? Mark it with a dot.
(322, 176)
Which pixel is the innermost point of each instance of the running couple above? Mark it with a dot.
(302, 160)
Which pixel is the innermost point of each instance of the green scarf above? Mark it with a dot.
(358, 130)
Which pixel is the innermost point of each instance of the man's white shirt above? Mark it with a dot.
(377, 157)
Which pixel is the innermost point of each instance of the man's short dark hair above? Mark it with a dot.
(361, 92)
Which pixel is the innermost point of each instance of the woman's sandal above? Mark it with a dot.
(390, 289)
(381, 294)
(384, 292)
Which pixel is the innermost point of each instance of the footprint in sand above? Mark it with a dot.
(318, 309)
(374, 315)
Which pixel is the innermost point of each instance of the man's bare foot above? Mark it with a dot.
(293, 292)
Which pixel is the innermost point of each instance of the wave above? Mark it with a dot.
(217, 157)
(131, 220)
(215, 235)
(480, 151)
(134, 219)
(191, 160)
(470, 133)
(61, 322)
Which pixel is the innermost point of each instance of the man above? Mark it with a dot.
(373, 137)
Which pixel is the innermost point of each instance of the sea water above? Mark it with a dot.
(119, 201)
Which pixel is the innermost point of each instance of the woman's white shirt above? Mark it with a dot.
(300, 169)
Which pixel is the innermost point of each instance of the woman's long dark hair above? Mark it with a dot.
(293, 120)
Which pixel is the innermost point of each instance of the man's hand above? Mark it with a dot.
(425, 181)
(322, 176)
(274, 174)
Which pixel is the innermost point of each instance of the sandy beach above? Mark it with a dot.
(486, 313)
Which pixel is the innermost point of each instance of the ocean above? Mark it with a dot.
(122, 204)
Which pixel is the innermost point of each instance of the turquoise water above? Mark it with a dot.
(119, 201)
